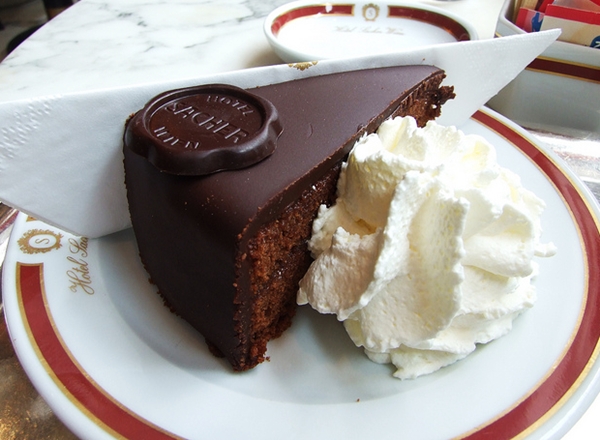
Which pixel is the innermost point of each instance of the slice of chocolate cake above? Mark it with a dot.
(223, 185)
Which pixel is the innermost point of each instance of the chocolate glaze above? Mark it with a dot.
(193, 232)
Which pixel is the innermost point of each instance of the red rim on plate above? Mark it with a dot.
(454, 28)
(559, 385)
(567, 69)
(65, 371)
(556, 388)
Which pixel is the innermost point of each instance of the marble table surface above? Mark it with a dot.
(98, 44)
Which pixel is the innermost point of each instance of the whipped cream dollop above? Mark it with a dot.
(429, 248)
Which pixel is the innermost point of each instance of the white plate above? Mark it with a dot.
(111, 360)
(558, 91)
(308, 30)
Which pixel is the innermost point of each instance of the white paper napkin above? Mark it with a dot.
(61, 159)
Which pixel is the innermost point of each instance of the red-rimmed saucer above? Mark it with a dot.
(308, 31)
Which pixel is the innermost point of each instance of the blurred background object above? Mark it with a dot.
(21, 18)
(55, 7)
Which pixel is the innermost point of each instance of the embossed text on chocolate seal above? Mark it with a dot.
(204, 129)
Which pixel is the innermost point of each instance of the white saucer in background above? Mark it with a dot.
(308, 30)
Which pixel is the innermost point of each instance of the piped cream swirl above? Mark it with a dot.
(429, 248)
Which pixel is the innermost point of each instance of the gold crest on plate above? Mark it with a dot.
(39, 241)
(370, 12)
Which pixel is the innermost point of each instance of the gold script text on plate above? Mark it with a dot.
(79, 273)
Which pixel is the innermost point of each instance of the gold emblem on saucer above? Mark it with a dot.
(304, 65)
(39, 241)
(370, 12)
